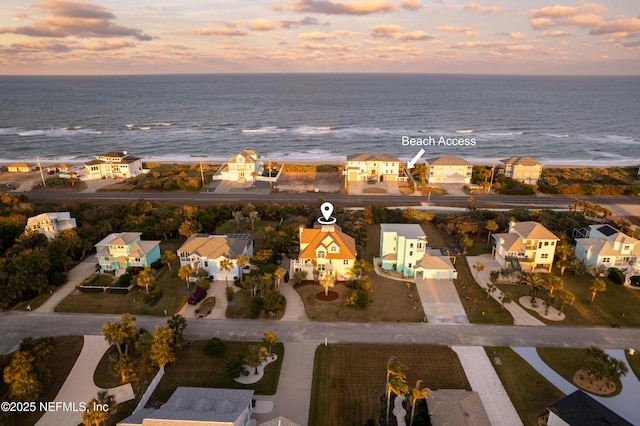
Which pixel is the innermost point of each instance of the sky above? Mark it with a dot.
(68, 37)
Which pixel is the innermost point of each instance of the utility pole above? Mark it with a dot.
(202, 174)
(44, 185)
(492, 171)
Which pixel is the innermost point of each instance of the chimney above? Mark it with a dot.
(300, 233)
(511, 225)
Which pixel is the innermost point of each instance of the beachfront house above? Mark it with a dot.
(50, 224)
(325, 249)
(208, 251)
(403, 249)
(243, 167)
(372, 167)
(523, 169)
(113, 165)
(18, 168)
(529, 244)
(198, 406)
(598, 245)
(448, 170)
(118, 251)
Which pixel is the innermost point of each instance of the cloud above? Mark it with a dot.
(468, 31)
(478, 8)
(21, 16)
(307, 20)
(618, 25)
(228, 32)
(345, 47)
(411, 4)
(385, 31)
(414, 36)
(519, 48)
(351, 7)
(567, 11)
(555, 34)
(482, 44)
(75, 19)
(319, 35)
(516, 36)
(586, 15)
(39, 46)
(108, 45)
(261, 25)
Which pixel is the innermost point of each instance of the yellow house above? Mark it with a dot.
(448, 170)
(523, 169)
(19, 167)
(529, 243)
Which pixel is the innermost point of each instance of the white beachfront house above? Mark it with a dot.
(523, 169)
(118, 251)
(529, 243)
(372, 167)
(113, 165)
(207, 251)
(329, 248)
(243, 167)
(448, 170)
(198, 406)
(403, 249)
(50, 224)
(598, 245)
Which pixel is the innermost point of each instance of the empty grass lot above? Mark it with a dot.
(174, 296)
(347, 384)
(195, 368)
(528, 390)
(65, 352)
(618, 304)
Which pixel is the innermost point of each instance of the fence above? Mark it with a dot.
(149, 391)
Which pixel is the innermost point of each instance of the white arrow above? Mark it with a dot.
(411, 164)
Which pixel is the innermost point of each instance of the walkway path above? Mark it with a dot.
(295, 307)
(79, 386)
(624, 404)
(293, 398)
(76, 275)
(484, 380)
(519, 314)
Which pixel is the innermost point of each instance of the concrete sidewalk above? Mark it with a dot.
(76, 275)
(441, 302)
(293, 398)
(519, 314)
(625, 404)
(295, 307)
(484, 380)
(79, 386)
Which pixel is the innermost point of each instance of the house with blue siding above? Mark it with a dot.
(118, 251)
(401, 247)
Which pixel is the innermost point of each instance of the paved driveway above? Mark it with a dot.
(441, 302)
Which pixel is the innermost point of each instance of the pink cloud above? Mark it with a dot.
(364, 7)
(261, 25)
(468, 31)
(411, 4)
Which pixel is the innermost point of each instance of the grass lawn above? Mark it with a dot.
(195, 368)
(634, 363)
(434, 238)
(528, 390)
(618, 304)
(35, 303)
(566, 361)
(347, 385)
(479, 309)
(174, 296)
(65, 352)
(390, 303)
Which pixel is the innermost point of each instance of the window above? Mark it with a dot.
(546, 243)
(540, 244)
(345, 262)
(419, 246)
(322, 267)
(334, 249)
(410, 253)
(409, 266)
(206, 264)
(322, 254)
(606, 259)
(544, 256)
(411, 245)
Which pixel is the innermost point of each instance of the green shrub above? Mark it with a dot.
(616, 276)
(229, 292)
(235, 366)
(155, 295)
(58, 278)
(157, 265)
(255, 306)
(124, 280)
(274, 301)
(299, 277)
(214, 347)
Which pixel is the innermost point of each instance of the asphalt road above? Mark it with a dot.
(16, 325)
(340, 199)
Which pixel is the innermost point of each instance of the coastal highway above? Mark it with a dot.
(508, 201)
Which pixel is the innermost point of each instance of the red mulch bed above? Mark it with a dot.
(332, 295)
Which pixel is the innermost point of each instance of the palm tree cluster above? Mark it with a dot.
(600, 365)
(397, 384)
(590, 210)
(552, 289)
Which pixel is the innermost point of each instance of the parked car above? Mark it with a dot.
(197, 296)
(278, 259)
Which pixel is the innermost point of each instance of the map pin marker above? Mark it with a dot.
(326, 209)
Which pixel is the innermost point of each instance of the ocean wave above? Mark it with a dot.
(308, 130)
(267, 129)
(506, 134)
(465, 131)
(553, 135)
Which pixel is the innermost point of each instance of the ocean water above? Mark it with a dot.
(557, 120)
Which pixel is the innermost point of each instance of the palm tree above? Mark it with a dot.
(479, 267)
(553, 283)
(145, 278)
(490, 289)
(97, 416)
(566, 297)
(394, 368)
(597, 286)
(242, 261)
(277, 275)
(327, 280)
(185, 273)
(360, 266)
(534, 282)
(506, 298)
(415, 395)
(168, 257)
(398, 386)
(253, 217)
(238, 218)
(491, 226)
(226, 265)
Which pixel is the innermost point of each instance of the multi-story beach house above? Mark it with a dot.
(19, 168)
(113, 165)
(118, 251)
(597, 245)
(325, 248)
(372, 167)
(208, 251)
(243, 167)
(523, 169)
(50, 224)
(403, 249)
(448, 170)
(529, 244)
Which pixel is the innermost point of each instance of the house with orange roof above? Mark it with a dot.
(529, 244)
(119, 251)
(243, 167)
(325, 248)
